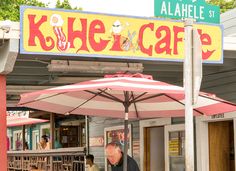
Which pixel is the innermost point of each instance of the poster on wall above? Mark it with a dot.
(96, 141)
(116, 134)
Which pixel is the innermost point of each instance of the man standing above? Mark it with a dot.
(90, 166)
(114, 156)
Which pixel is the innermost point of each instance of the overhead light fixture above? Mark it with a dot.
(19, 89)
(93, 67)
(5, 26)
(71, 80)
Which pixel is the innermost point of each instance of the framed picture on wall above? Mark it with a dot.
(116, 134)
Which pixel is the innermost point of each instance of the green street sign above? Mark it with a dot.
(180, 9)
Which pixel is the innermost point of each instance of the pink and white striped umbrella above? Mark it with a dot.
(122, 96)
(19, 121)
(111, 96)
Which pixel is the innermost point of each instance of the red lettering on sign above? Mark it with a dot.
(163, 45)
(177, 30)
(116, 43)
(206, 40)
(34, 32)
(148, 50)
(97, 27)
(81, 34)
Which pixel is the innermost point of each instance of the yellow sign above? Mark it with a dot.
(174, 147)
(73, 33)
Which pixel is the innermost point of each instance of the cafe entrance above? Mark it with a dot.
(215, 142)
(162, 145)
(221, 146)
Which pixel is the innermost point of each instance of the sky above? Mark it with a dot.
(143, 8)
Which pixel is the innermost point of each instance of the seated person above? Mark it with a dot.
(44, 144)
(90, 166)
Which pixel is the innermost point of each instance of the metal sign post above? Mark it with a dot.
(189, 147)
(192, 83)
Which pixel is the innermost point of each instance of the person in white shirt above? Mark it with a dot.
(90, 165)
(44, 144)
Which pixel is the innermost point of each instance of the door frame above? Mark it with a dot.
(34, 139)
(167, 129)
(15, 138)
(145, 124)
(202, 143)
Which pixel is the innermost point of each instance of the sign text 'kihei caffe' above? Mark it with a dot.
(76, 33)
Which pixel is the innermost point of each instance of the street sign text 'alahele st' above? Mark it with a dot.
(180, 9)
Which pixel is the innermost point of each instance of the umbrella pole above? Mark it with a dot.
(87, 134)
(126, 105)
(125, 141)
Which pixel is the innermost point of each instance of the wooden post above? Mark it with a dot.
(87, 134)
(52, 130)
(52, 137)
(23, 137)
(3, 124)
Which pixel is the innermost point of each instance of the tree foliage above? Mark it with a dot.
(65, 5)
(225, 5)
(10, 9)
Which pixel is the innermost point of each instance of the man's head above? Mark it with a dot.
(113, 153)
(89, 159)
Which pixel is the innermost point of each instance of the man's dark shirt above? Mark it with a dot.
(131, 165)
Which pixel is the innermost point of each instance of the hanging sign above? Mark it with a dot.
(72, 33)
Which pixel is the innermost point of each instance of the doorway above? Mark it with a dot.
(175, 147)
(221, 146)
(162, 145)
(147, 129)
(154, 149)
(69, 136)
(17, 140)
(35, 139)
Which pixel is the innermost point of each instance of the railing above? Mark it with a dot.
(63, 159)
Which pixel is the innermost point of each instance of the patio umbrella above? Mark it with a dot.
(122, 96)
(19, 121)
